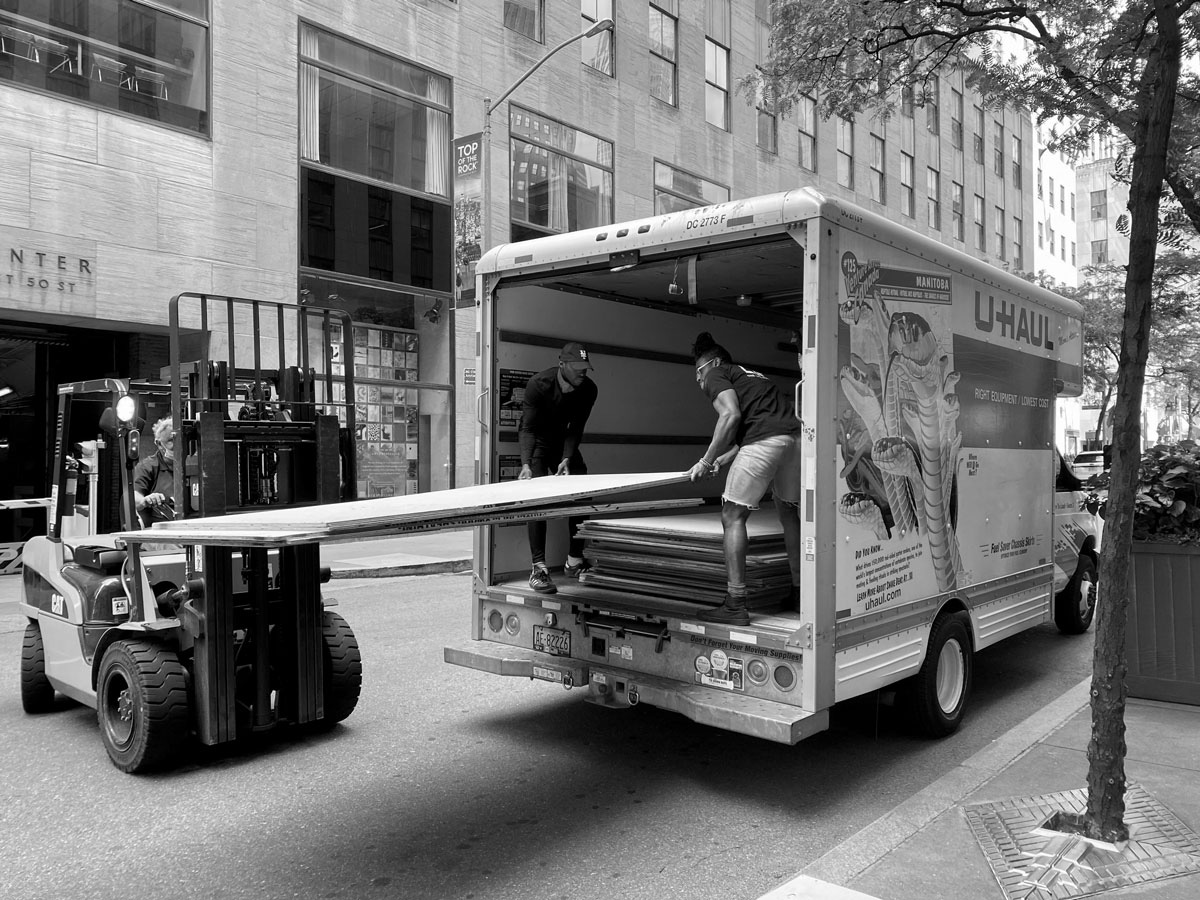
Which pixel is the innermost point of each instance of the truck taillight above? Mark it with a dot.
(757, 671)
(495, 620)
(785, 678)
(512, 624)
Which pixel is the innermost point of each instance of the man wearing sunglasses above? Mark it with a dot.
(154, 477)
(757, 432)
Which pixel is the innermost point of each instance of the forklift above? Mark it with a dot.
(170, 642)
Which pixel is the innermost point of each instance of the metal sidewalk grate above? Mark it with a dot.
(1032, 862)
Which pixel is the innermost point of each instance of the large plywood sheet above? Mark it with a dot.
(434, 511)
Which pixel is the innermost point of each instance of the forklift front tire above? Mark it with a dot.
(343, 670)
(37, 694)
(142, 705)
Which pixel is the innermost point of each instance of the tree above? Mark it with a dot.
(1099, 66)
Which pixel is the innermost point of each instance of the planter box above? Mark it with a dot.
(1162, 639)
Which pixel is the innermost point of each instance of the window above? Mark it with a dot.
(1099, 204)
(562, 177)
(1062, 199)
(845, 152)
(598, 50)
(1051, 182)
(907, 100)
(933, 187)
(525, 17)
(764, 101)
(1050, 234)
(907, 194)
(1016, 162)
(878, 179)
(980, 226)
(1073, 253)
(806, 116)
(1071, 208)
(1000, 249)
(933, 109)
(977, 140)
(1039, 183)
(1041, 236)
(664, 29)
(956, 118)
(1062, 247)
(998, 149)
(716, 84)
(1017, 259)
(717, 17)
(147, 60)
(956, 210)
(372, 115)
(675, 189)
(1099, 252)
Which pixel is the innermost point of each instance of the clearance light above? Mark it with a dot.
(495, 620)
(512, 624)
(785, 678)
(757, 671)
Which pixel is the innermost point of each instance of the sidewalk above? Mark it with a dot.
(925, 848)
(417, 554)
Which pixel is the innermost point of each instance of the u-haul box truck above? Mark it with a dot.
(925, 383)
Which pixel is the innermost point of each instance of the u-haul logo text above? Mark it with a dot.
(1013, 321)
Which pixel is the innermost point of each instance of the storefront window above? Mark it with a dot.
(120, 54)
(402, 405)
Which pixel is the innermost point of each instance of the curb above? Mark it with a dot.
(442, 566)
(860, 851)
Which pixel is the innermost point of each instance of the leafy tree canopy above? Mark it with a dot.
(1075, 60)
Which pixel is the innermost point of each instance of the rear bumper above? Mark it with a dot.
(728, 710)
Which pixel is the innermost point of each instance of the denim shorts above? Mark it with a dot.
(758, 466)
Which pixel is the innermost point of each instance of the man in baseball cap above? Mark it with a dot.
(576, 354)
(554, 411)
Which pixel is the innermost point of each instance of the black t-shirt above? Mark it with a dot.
(553, 417)
(766, 410)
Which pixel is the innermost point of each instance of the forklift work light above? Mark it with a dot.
(126, 409)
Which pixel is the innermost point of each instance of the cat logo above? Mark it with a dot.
(58, 605)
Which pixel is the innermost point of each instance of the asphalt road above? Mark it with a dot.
(448, 783)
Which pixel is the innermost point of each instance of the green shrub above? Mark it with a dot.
(1167, 506)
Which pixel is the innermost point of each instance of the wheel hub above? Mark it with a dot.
(950, 676)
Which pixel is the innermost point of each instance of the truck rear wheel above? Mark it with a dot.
(937, 695)
(1075, 605)
(37, 693)
(343, 670)
(142, 705)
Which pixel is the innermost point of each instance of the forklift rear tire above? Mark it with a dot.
(937, 695)
(343, 670)
(142, 705)
(1075, 605)
(37, 693)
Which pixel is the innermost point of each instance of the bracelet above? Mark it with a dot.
(709, 466)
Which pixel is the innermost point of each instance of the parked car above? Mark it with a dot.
(1088, 463)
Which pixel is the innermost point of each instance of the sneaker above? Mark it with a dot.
(575, 571)
(540, 581)
(731, 612)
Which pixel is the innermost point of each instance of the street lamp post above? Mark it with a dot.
(489, 107)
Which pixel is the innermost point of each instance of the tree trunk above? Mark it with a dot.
(1105, 815)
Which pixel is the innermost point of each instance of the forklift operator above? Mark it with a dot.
(154, 477)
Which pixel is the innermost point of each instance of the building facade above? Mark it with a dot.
(309, 152)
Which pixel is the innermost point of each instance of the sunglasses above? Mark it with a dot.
(700, 368)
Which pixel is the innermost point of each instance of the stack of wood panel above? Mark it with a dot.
(682, 557)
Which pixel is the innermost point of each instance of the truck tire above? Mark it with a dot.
(343, 670)
(937, 695)
(1075, 605)
(37, 693)
(142, 705)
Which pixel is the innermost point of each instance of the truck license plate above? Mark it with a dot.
(554, 641)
